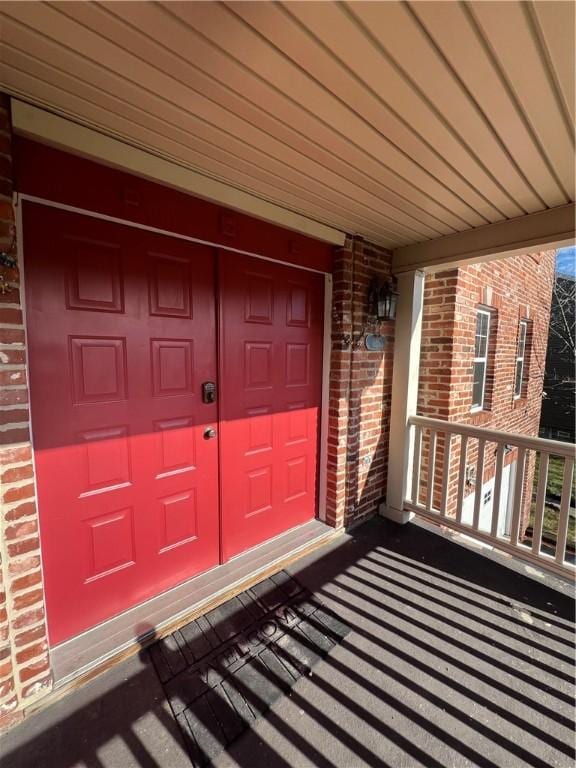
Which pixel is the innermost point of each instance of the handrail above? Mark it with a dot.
(556, 447)
(469, 495)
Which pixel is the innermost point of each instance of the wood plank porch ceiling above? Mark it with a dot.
(401, 122)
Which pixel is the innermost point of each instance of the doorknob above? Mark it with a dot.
(209, 433)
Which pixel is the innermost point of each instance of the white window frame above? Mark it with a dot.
(520, 358)
(483, 359)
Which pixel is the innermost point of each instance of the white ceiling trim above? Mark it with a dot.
(540, 231)
(79, 139)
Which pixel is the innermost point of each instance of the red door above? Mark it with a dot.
(122, 335)
(270, 363)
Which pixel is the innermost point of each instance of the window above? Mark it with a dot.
(520, 356)
(480, 359)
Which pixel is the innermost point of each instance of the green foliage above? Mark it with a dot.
(550, 525)
(553, 489)
(555, 477)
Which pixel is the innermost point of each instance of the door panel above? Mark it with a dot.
(121, 332)
(271, 362)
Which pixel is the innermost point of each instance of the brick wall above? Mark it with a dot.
(512, 289)
(24, 666)
(360, 390)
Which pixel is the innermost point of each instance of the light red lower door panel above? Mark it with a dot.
(270, 364)
(121, 328)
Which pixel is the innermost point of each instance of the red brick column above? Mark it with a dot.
(340, 365)
(24, 662)
(360, 390)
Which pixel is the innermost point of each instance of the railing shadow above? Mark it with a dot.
(419, 665)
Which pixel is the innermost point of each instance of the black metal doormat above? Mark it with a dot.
(225, 669)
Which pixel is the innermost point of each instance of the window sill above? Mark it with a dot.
(480, 417)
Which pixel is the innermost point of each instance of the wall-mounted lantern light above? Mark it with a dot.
(380, 306)
(382, 299)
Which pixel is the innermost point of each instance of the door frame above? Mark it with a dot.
(322, 490)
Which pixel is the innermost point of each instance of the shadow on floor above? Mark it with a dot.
(453, 660)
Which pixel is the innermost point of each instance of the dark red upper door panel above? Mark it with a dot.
(55, 175)
(121, 333)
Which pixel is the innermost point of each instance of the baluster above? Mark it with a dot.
(431, 470)
(479, 482)
(540, 501)
(446, 473)
(497, 490)
(564, 509)
(517, 508)
(416, 464)
(461, 477)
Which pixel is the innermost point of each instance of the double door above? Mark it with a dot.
(175, 395)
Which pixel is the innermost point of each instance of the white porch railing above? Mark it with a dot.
(494, 512)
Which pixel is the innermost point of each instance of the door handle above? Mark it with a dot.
(209, 433)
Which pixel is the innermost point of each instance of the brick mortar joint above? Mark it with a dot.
(33, 625)
(14, 424)
(44, 652)
(21, 540)
(44, 674)
(16, 483)
(16, 465)
(33, 572)
(12, 407)
(26, 590)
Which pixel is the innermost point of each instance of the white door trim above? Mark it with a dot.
(325, 402)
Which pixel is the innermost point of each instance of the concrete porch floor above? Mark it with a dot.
(454, 660)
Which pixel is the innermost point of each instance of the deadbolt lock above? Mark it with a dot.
(208, 392)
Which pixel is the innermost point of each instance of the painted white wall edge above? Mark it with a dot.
(61, 133)
(400, 516)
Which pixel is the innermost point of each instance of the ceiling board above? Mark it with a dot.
(400, 122)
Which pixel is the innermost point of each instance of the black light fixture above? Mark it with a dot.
(381, 306)
(382, 299)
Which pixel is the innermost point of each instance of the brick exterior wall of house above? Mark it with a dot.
(360, 390)
(24, 664)
(358, 425)
(511, 289)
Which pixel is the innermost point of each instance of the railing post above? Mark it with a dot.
(405, 376)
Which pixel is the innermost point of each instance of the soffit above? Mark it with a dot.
(400, 122)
